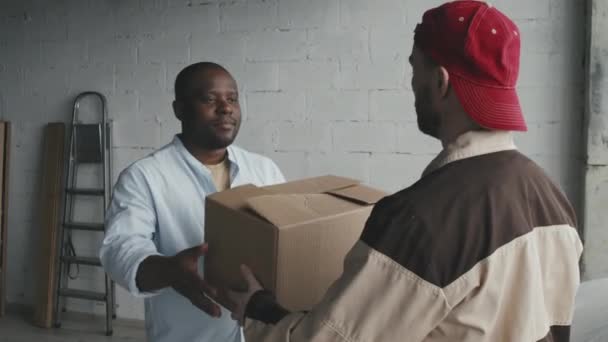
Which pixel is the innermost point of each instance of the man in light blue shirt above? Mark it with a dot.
(155, 222)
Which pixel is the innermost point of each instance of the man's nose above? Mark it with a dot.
(225, 107)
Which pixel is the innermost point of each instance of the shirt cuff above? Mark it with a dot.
(263, 307)
(132, 278)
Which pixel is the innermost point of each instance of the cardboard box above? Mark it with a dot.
(294, 236)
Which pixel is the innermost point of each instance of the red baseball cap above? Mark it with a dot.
(479, 47)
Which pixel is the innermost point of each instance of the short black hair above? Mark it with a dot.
(429, 61)
(184, 78)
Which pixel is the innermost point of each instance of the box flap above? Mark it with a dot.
(359, 193)
(286, 210)
(312, 185)
(255, 246)
(236, 198)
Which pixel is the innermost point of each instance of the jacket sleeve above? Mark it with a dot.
(375, 299)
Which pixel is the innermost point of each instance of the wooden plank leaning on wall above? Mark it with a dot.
(51, 202)
(5, 146)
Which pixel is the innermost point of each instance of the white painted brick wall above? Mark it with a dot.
(368, 13)
(141, 78)
(555, 138)
(21, 53)
(389, 75)
(353, 165)
(30, 111)
(293, 164)
(409, 140)
(523, 9)
(134, 132)
(334, 105)
(287, 106)
(122, 105)
(40, 80)
(308, 14)
(365, 137)
(86, 77)
(257, 136)
(341, 44)
(391, 45)
(199, 17)
(324, 87)
(392, 172)
(247, 16)
(302, 136)
(168, 128)
(308, 75)
(276, 46)
(261, 77)
(53, 54)
(154, 106)
(167, 48)
(112, 51)
(392, 105)
(220, 47)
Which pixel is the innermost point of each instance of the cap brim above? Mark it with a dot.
(490, 107)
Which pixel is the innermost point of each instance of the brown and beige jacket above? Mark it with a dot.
(482, 248)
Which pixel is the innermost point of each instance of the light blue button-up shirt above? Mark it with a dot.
(158, 208)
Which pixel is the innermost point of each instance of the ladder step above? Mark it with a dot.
(82, 294)
(90, 261)
(99, 227)
(85, 191)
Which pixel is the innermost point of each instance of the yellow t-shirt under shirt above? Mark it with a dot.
(221, 175)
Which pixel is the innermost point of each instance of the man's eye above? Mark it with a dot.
(208, 100)
(233, 100)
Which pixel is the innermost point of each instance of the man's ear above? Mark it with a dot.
(443, 81)
(178, 109)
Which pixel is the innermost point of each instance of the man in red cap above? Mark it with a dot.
(483, 247)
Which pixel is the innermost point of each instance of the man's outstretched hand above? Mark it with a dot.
(185, 279)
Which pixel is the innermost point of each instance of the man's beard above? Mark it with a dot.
(428, 120)
(211, 140)
(206, 137)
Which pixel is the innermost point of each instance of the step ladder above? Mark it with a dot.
(89, 145)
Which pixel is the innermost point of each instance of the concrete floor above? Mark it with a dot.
(16, 327)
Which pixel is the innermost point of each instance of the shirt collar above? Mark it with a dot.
(179, 145)
(471, 144)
